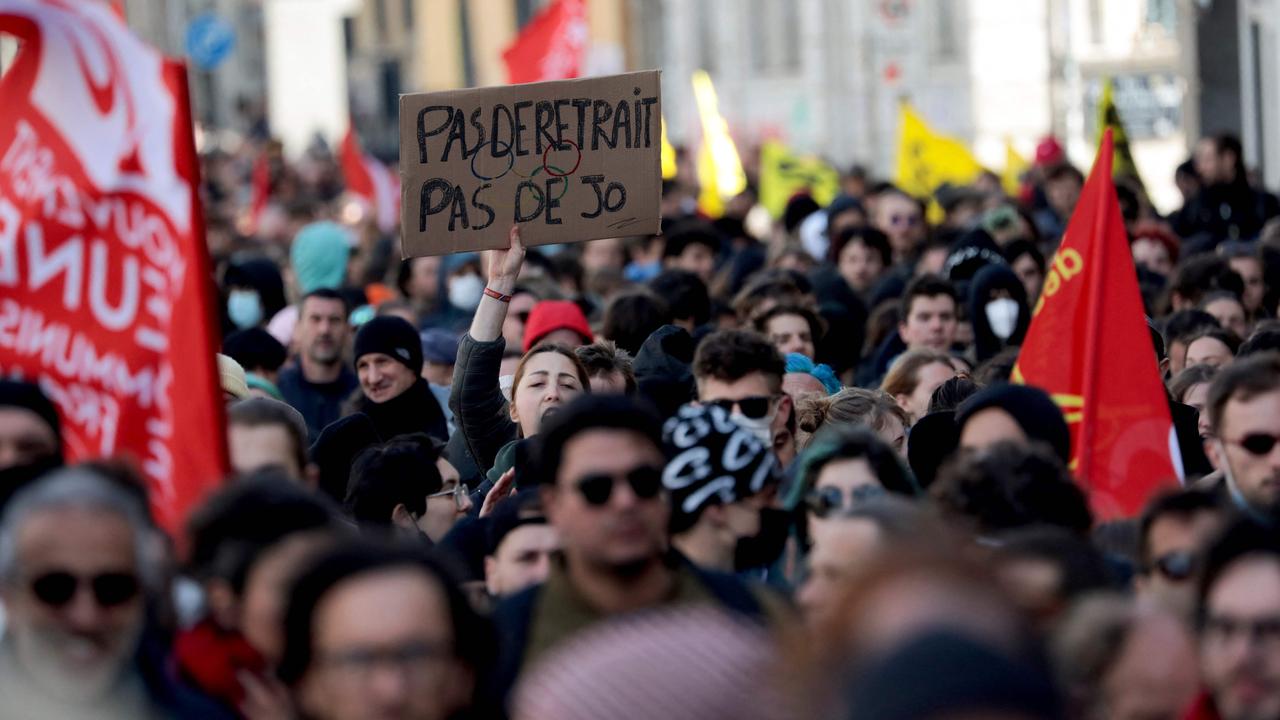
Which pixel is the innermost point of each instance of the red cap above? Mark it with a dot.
(549, 316)
(1049, 152)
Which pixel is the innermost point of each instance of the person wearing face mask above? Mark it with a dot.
(460, 289)
(741, 372)
(254, 292)
(719, 479)
(998, 311)
(547, 377)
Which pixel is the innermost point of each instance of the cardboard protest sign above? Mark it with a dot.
(567, 160)
(105, 289)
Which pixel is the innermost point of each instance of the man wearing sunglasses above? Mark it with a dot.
(1173, 533)
(741, 372)
(600, 470)
(1244, 413)
(79, 560)
(1238, 621)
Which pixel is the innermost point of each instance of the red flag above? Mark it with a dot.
(371, 181)
(1090, 348)
(105, 292)
(551, 45)
(260, 185)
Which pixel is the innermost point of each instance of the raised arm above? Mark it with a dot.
(475, 399)
(504, 268)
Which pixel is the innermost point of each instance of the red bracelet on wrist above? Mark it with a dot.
(497, 295)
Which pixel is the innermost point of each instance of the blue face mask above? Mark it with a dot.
(244, 307)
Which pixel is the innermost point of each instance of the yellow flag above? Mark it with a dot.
(719, 167)
(926, 159)
(1109, 117)
(668, 155)
(783, 174)
(1014, 167)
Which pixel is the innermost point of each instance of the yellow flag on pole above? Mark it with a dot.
(783, 174)
(1014, 167)
(719, 167)
(1109, 117)
(926, 158)
(668, 155)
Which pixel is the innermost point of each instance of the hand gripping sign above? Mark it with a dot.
(104, 276)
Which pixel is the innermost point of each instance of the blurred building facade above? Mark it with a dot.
(826, 75)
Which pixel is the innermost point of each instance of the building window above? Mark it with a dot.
(380, 18)
(705, 22)
(1096, 20)
(946, 45)
(1164, 14)
(774, 34)
(408, 13)
(468, 51)
(349, 34)
(526, 10)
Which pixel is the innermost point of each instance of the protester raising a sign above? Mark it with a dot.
(565, 160)
(104, 277)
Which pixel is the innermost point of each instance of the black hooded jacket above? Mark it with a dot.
(982, 287)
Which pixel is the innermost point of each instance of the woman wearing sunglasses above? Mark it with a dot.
(548, 376)
(844, 466)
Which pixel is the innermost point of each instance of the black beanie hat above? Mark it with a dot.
(711, 460)
(393, 337)
(21, 394)
(1032, 408)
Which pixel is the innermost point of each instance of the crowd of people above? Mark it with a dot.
(751, 467)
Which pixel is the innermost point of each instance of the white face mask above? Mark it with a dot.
(762, 428)
(465, 292)
(1002, 315)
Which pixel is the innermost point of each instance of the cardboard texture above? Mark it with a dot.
(569, 160)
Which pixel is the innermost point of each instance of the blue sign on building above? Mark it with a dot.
(210, 40)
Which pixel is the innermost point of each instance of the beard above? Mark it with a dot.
(71, 665)
(326, 353)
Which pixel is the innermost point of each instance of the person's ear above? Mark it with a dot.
(1213, 451)
(904, 401)
(548, 496)
(401, 518)
(490, 568)
(511, 408)
(224, 608)
(311, 476)
(1164, 367)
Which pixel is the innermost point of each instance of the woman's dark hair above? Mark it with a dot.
(1190, 377)
(851, 442)
(1021, 246)
(630, 318)
(400, 472)
(472, 635)
(1010, 486)
(684, 293)
(1226, 337)
(817, 326)
(950, 394)
(869, 237)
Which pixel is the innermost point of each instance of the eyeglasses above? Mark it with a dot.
(1176, 566)
(415, 658)
(1262, 631)
(1259, 443)
(109, 590)
(645, 483)
(754, 407)
(908, 220)
(826, 501)
(460, 493)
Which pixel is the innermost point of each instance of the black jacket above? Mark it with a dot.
(479, 409)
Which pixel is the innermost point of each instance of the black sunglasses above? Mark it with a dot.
(58, 588)
(826, 501)
(1177, 566)
(754, 407)
(1259, 444)
(645, 482)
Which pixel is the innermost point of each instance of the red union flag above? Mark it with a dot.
(371, 181)
(1089, 347)
(551, 46)
(104, 277)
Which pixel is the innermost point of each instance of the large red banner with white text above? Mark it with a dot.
(105, 289)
